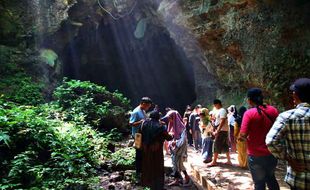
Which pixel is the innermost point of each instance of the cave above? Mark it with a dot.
(108, 52)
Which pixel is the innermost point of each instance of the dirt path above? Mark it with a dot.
(218, 177)
(224, 176)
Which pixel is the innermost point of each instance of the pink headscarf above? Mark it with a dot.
(176, 126)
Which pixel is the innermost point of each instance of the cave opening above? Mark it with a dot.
(109, 53)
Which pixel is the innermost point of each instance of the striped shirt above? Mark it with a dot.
(290, 137)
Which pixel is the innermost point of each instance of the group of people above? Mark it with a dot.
(260, 136)
(155, 130)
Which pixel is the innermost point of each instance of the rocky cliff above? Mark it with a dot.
(175, 51)
(248, 43)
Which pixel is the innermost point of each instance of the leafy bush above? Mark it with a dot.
(39, 150)
(84, 101)
(124, 157)
(20, 88)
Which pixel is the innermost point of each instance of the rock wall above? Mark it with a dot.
(250, 43)
(205, 48)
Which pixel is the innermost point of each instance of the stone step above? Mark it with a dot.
(223, 176)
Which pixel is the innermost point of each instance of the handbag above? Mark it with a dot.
(138, 138)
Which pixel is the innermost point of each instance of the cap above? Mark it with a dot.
(302, 88)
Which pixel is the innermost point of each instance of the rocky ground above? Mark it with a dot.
(218, 177)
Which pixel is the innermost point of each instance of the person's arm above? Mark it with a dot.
(223, 119)
(166, 136)
(222, 123)
(137, 123)
(236, 130)
(275, 141)
(133, 121)
(182, 139)
(275, 138)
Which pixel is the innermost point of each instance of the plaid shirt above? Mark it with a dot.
(290, 137)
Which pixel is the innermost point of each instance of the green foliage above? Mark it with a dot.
(124, 157)
(39, 150)
(8, 57)
(113, 135)
(10, 23)
(52, 145)
(87, 102)
(20, 88)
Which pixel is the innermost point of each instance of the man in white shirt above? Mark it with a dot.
(221, 133)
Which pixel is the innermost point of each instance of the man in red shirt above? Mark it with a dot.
(256, 123)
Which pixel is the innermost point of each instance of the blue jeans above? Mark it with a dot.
(262, 169)
(207, 145)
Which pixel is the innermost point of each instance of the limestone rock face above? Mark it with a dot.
(246, 43)
(174, 51)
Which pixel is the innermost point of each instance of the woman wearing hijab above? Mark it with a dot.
(178, 147)
(206, 128)
(153, 136)
(241, 145)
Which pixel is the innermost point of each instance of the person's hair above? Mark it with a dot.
(146, 100)
(188, 108)
(217, 101)
(241, 111)
(301, 87)
(202, 114)
(256, 96)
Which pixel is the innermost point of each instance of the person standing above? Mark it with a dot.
(231, 116)
(178, 147)
(256, 123)
(137, 117)
(289, 137)
(194, 127)
(221, 133)
(241, 145)
(153, 136)
(207, 141)
(186, 115)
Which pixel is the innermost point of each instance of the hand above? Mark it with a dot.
(190, 131)
(141, 121)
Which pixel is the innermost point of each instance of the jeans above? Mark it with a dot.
(207, 145)
(262, 169)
